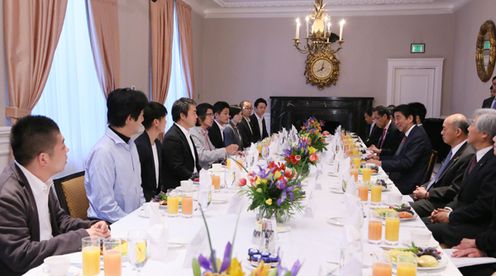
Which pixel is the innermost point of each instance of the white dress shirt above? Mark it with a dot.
(41, 192)
(155, 161)
(221, 129)
(260, 124)
(190, 143)
(480, 153)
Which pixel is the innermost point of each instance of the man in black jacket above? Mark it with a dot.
(491, 102)
(407, 166)
(221, 118)
(389, 136)
(179, 156)
(470, 212)
(442, 188)
(257, 120)
(150, 148)
(244, 126)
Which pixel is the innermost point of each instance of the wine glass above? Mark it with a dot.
(137, 249)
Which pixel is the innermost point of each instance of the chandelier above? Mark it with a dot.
(319, 35)
(322, 65)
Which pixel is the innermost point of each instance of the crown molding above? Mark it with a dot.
(196, 7)
(352, 10)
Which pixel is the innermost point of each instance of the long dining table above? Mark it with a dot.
(308, 237)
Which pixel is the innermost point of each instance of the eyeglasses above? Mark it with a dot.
(209, 114)
(248, 108)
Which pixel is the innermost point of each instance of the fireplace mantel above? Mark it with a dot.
(334, 111)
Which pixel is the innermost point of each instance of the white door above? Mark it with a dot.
(416, 80)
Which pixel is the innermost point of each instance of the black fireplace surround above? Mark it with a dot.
(334, 111)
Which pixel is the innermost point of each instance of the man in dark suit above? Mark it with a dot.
(373, 132)
(221, 118)
(407, 166)
(150, 148)
(491, 102)
(442, 189)
(257, 120)
(179, 156)
(470, 212)
(32, 224)
(419, 112)
(389, 136)
(244, 126)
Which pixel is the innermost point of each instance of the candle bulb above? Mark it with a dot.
(341, 24)
(329, 31)
(297, 34)
(307, 19)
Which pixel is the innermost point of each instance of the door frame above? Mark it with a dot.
(417, 63)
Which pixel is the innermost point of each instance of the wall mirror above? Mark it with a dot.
(485, 53)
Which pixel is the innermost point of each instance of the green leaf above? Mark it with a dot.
(196, 267)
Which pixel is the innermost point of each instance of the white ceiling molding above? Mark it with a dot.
(292, 8)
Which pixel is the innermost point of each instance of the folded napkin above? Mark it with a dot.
(355, 212)
(158, 237)
(352, 267)
(204, 188)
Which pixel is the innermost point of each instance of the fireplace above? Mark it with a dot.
(334, 111)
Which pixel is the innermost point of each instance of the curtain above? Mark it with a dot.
(31, 33)
(186, 42)
(161, 26)
(72, 96)
(103, 25)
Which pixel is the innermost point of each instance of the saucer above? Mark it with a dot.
(337, 221)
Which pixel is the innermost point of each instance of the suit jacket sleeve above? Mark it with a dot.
(448, 192)
(481, 207)
(413, 153)
(204, 154)
(18, 251)
(391, 144)
(173, 156)
(229, 136)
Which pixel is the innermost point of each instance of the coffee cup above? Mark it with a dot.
(57, 265)
(217, 167)
(186, 185)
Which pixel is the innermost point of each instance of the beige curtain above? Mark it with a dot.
(103, 22)
(186, 42)
(31, 33)
(161, 23)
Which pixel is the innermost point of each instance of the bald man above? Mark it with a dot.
(443, 187)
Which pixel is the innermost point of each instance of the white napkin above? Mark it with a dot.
(153, 212)
(199, 245)
(351, 267)
(158, 238)
(354, 210)
(237, 203)
(204, 188)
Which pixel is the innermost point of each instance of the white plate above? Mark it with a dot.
(336, 190)
(442, 264)
(176, 245)
(337, 221)
(181, 189)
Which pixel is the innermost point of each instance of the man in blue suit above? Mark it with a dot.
(407, 166)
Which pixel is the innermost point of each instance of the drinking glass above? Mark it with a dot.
(216, 182)
(137, 249)
(392, 228)
(187, 206)
(112, 262)
(363, 192)
(382, 268)
(91, 256)
(375, 194)
(375, 228)
(366, 174)
(406, 265)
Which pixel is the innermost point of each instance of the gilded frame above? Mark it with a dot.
(487, 28)
(319, 82)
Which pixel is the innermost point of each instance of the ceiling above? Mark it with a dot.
(291, 8)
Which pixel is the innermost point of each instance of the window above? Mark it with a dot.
(72, 96)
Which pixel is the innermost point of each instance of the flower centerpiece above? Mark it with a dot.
(300, 156)
(312, 130)
(275, 190)
(230, 266)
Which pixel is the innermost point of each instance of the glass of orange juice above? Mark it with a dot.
(356, 162)
(172, 204)
(112, 262)
(392, 228)
(406, 265)
(137, 249)
(366, 174)
(382, 268)
(187, 206)
(216, 182)
(375, 194)
(363, 192)
(91, 256)
(375, 228)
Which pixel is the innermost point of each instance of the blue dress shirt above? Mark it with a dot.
(113, 178)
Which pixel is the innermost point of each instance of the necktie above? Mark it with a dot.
(401, 146)
(494, 104)
(472, 165)
(206, 139)
(443, 167)
(384, 131)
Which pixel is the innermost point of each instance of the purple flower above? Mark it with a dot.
(282, 198)
(296, 267)
(205, 263)
(226, 262)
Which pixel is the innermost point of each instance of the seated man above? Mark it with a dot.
(373, 132)
(221, 118)
(419, 112)
(32, 224)
(407, 166)
(244, 126)
(389, 136)
(470, 212)
(150, 148)
(207, 153)
(231, 131)
(491, 101)
(483, 245)
(257, 120)
(112, 171)
(179, 155)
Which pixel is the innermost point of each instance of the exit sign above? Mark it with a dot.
(417, 48)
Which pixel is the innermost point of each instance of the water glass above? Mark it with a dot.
(392, 228)
(137, 249)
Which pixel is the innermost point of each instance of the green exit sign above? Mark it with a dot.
(417, 48)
